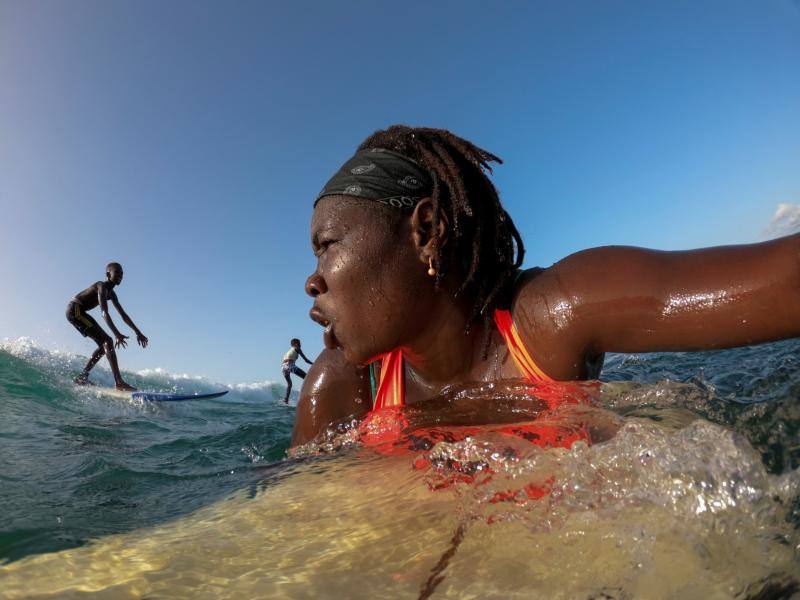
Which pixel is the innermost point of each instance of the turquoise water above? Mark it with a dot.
(77, 464)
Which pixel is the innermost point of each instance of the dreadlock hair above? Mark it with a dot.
(485, 240)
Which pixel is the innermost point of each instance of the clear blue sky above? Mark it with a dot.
(187, 140)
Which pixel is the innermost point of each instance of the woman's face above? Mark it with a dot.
(370, 288)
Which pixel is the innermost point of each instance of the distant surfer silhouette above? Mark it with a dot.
(100, 293)
(288, 367)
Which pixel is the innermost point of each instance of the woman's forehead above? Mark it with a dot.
(340, 210)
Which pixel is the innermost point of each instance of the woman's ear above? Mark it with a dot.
(429, 233)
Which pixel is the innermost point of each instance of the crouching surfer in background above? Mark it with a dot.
(100, 293)
(288, 367)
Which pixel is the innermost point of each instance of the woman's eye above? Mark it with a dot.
(323, 245)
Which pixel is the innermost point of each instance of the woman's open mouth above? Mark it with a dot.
(328, 337)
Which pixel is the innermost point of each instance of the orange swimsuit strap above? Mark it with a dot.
(529, 369)
(392, 390)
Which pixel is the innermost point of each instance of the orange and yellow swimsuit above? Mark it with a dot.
(385, 427)
(391, 389)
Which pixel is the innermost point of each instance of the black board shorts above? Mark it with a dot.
(85, 324)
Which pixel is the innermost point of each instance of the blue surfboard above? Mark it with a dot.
(166, 397)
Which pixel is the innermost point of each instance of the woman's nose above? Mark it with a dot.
(315, 285)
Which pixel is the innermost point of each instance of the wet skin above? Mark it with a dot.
(372, 289)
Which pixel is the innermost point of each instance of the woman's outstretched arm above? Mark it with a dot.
(622, 299)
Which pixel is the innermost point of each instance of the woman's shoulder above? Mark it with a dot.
(581, 273)
(332, 390)
(557, 310)
(529, 286)
(546, 311)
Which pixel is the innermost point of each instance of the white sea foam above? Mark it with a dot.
(64, 365)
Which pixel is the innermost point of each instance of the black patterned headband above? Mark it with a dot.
(382, 175)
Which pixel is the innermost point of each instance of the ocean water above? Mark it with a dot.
(690, 489)
(80, 462)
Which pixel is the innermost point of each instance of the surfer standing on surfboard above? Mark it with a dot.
(100, 293)
(288, 367)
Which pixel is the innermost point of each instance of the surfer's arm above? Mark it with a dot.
(332, 390)
(305, 358)
(140, 337)
(102, 297)
(124, 315)
(621, 299)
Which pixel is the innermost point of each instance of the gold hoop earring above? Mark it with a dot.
(431, 270)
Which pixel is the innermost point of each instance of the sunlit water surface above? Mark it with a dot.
(684, 485)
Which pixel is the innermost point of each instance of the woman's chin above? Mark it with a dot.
(329, 339)
(354, 356)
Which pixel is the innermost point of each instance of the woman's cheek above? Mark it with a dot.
(337, 264)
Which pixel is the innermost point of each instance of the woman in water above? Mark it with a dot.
(418, 267)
